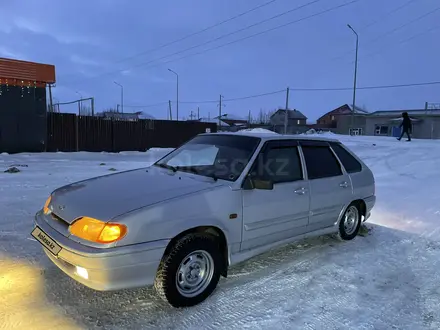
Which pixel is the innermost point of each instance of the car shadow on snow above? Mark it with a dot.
(385, 280)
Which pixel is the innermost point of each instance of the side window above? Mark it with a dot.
(279, 164)
(350, 163)
(320, 162)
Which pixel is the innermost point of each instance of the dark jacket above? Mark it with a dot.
(406, 122)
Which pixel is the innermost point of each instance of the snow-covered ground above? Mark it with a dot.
(387, 280)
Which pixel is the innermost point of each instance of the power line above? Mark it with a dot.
(233, 32)
(403, 25)
(215, 39)
(198, 32)
(146, 106)
(430, 83)
(254, 35)
(238, 98)
(386, 33)
(380, 18)
(403, 41)
(366, 87)
(254, 96)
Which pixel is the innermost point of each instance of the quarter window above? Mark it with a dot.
(350, 163)
(320, 162)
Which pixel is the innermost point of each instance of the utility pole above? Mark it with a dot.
(92, 100)
(177, 101)
(169, 106)
(286, 115)
(220, 112)
(50, 98)
(80, 103)
(355, 77)
(198, 113)
(122, 96)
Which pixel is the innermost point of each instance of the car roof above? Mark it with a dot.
(275, 136)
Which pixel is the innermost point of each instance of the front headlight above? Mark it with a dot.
(46, 209)
(97, 231)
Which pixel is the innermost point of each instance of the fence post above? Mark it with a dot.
(77, 132)
(112, 133)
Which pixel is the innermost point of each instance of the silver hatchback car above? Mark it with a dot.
(216, 201)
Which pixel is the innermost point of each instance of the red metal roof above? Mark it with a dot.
(27, 71)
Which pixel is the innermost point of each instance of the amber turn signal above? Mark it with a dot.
(46, 209)
(97, 231)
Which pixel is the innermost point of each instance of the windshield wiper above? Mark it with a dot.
(169, 167)
(194, 170)
(187, 169)
(213, 176)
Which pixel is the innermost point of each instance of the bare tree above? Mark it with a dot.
(263, 117)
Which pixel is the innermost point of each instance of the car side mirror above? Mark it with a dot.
(255, 183)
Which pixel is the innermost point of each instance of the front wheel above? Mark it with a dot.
(190, 272)
(350, 223)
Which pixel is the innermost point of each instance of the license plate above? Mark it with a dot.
(46, 241)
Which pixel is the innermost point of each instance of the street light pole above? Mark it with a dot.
(122, 96)
(177, 101)
(79, 103)
(355, 75)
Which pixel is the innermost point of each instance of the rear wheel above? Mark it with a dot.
(350, 223)
(190, 272)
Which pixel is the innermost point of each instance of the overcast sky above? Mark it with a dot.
(96, 42)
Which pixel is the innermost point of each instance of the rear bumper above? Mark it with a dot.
(107, 269)
(369, 202)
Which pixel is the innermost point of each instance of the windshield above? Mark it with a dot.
(217, 156)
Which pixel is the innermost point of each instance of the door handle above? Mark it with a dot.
(300, 191)
(343, 184)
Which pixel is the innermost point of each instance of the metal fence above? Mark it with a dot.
(22, 118)
(69, 132)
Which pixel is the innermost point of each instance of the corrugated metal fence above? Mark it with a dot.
(68, 132)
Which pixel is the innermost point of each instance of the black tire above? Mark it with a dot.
(166, 278)
(347, 234)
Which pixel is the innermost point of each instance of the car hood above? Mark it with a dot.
(108, 196)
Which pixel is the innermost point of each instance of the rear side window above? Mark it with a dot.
(350, 163)
(320, 162)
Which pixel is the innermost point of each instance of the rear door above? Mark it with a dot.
(273, 215)
(361, 177)
(330, 185)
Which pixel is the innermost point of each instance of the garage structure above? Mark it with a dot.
(23, 105)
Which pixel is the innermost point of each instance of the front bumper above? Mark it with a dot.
(108, 269)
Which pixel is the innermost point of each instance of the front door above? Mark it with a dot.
(330, 186)
(273, 215)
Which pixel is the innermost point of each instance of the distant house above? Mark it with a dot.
(330, 119)
(296, 121)
(234, 122)
(426, 123)
(211, 120)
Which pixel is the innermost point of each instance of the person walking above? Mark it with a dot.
(406, 126)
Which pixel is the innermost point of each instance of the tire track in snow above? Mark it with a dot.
(239, 305)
